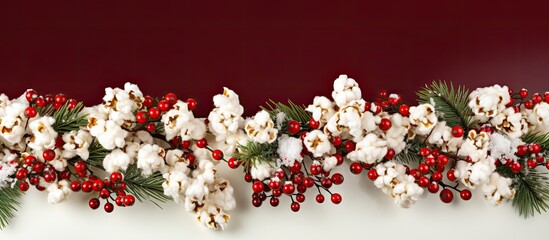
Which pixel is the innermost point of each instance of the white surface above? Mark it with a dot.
(365, 212)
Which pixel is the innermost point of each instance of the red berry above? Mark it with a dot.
(233, 163)
(546, 96)
(296, 167)
(529, 104)
(516, 167)
(151, 127)
(423, 181)
(217, 154)
(457, 131)
(94, 203)
(523, 93)
(191, 104)
(314, 124)
(433, 187)
(294, 127)
(522, 150)
(424, 152)
(119, 201)
(415, 173)
(372, 174)
(109, 207)
(534, 148)
(104, 193)
(274, 201)
(48, 155)
(339, 159)
(446, 196)
(116, 177)
(29, 160)
(536, 98)
(256, 202)
(129, 200)
(257, 186)
(319, 198)
(98, 185)
(147, 101)
(316, 169)
(385, 124)
(326, 182)
(164, 105)
(423, 168)
(356, 168)
(451, 175)
(465, 194)
(49, 177)
(442, 160)
(531, 163)
(390, 154)
(349, 146)
(141, 117)
(75, 186)
(171, 98)
(404, 110)
(202, 143)
(300, 198)
(40, 102)
(437, 176)
(72, 104)
(336, 141)
(337, 178)
(154, 113)
(60, 99)
(383, 94)
(64, 175)
(274, 184)
(21, 174)
(295, 206)
(30, 95)
(31, 112)
(24, 186)
(430, 160)
(288, 188)
(80, 166)
(336, 198)
(248, 177)
(87, 186)
(185, 144)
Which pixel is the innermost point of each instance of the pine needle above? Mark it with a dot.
(67, 120)
(9, 203)
(254, 153)
(537, 137)
(450, 101)
(145, 187)
(532, 193)
(292, 111)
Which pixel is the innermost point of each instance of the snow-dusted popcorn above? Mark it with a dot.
(475, 146)
(261, 128)
(423, 118)
(116, 160)
(329, 163)
(77, 144)
(262, 170)
(498, 189)
(393, 181)
(345, 90)
(474, 174)
(347, 121)
(179, 121)
(489, 101)
(510, 122)
(289, 150)
(43, 135)
(150, 158)
(58, 192)
(370, 150)
(109, 134)
(503, 147)
(7, 171)
(322, 109)
(317, 143)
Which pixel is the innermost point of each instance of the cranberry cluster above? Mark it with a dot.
(149, 117)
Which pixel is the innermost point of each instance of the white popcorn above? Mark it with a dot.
(58, 192)
(475, 146)
(423, 118)
(7, 171)
(116, 160)
(489, 101)
(289, 150)
(120, 104)
(370, 150)
(150, 158)
(175, 185)
(395, 136)
(12, 123)
(329, 163)
(226, 117)
(109, 134)
(497, 189)
(347, 121)
(317, 143)
(393, 181)
(179, 121)
(345, 90)
(262, 171)
(322, 109)
(76, 144)
(538, 117)
(510, 123)
(261, 128)
(441, 136)
(474, 174)
(43, 135)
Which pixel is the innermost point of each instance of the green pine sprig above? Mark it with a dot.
(254, 153)
(9, 204)
(537, 137)
(292, 111)
(67, 120)
(450, 101)
(145, 187)
(532, 193)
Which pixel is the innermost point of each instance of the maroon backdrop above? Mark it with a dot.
(268, 49)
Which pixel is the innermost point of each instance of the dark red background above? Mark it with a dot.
(268, 49)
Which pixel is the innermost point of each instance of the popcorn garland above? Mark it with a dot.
(57, 145)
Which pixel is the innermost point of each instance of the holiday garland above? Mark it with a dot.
(135, 147)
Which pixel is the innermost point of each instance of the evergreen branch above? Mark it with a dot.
(537, 137)
(253, 153)
(67, 120)
(145, 187)
(532, 193)
(46, 111)
(408, 157)
(9, 203)
(292, 111)
(97, 154)
(450, 101)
